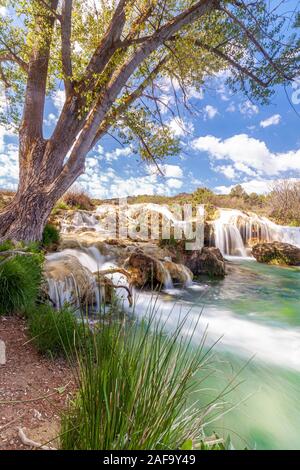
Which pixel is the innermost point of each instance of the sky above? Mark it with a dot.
(226, 140)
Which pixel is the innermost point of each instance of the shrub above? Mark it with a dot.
(78, 199)
(54, 332)
(134, 386)
(50, 236)
(6, 245)
(20, 280)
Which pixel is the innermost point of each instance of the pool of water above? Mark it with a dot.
(253, 314)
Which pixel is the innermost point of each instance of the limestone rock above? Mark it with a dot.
(277, 253)
(146, 270)
(179, 273)
(208, 260)
(69, 281)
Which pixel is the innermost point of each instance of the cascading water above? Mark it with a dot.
(236, 231)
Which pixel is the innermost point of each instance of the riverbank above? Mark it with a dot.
(35, 389)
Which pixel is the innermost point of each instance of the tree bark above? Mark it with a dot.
(38, 191)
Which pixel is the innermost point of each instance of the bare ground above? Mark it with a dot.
(33, 389)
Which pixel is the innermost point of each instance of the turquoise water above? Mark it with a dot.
(255, 314)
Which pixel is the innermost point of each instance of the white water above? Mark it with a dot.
(104, 219)
(235, 230)
(271, 344)
(276, 346)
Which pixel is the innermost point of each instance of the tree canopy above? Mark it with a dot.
(112, 59)
(123, 51)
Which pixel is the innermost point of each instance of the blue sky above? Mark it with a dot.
(226, 141)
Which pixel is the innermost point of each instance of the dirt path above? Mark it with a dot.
(25, 378)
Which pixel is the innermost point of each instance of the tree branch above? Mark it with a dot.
(66, 29)
(32, 122)
(10, 56)
(119, 110)
(259, 47)
(108, 45)
(232, 62)
(117, 82)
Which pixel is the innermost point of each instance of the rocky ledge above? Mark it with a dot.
(277, 253)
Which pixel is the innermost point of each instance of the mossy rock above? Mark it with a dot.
(277, 253)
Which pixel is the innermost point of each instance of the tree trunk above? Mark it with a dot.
(38, 191)
(25, 217)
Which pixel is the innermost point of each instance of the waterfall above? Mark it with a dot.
(236, 231)
(167, 280)
(69, 282)
(64, 286)
(133, 215)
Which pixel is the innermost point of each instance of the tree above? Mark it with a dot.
(203, 196)
(284, 201)
(238, 191)
(112, 57)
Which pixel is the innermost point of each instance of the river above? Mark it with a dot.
(254, 316)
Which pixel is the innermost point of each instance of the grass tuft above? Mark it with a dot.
(54, 333)
(136, 390)
(20, 280)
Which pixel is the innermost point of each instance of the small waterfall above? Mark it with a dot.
(236, 231)
(228, 237)
(64, 287)
(70, 283)
(189, 280)
(167, 280)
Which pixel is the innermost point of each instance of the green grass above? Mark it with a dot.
(50, 236)
(20, 280)
(54, 333)
(136, 389)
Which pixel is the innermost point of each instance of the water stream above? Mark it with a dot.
(253, 313)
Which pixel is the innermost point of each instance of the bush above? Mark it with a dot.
(6, 245)
(20, 280)
(134, 386)
(78, 199)
(50, 236)
(53, 332)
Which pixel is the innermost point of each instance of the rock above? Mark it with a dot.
(69, 281)
(277, 253)
(2, 353)
(208, 260)
(179, 273)
(146, 270)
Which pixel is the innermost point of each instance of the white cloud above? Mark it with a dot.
(227, 170)
(59, 98)
(172, 171)
(271, 121)
(174, 183)
(105, 184)
(194, 93)
(3, 11)
(210, 112)
(231, 108)
(179, 127)
(248, 155)
(248, 109)
(50, 120)
(262, 186)
(117, 153)
(9, 167)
